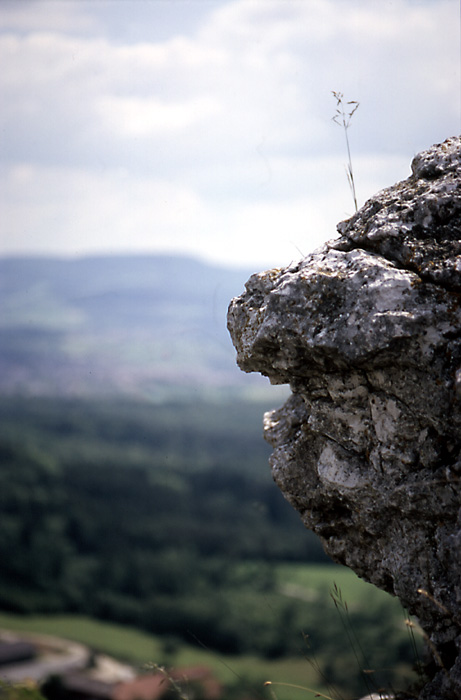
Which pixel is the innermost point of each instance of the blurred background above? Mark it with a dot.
(154, 154)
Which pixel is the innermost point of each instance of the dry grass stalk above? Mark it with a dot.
(344, 113)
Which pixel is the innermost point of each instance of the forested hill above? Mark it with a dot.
(161, 516)
(138, 325)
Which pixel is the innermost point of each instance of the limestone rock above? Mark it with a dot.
(366, 331)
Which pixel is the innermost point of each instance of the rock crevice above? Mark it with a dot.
(366, 331)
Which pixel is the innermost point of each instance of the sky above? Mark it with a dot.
(204, 127)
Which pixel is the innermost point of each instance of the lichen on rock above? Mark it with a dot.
(366, 331)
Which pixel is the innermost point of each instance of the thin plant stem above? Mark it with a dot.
(343, 116)
(314, 664)
(356, 647)
(418, 663)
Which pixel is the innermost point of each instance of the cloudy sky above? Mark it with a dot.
(204, 127)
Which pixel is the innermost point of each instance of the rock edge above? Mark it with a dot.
(366, 331)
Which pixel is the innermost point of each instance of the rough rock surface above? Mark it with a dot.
(366, 331)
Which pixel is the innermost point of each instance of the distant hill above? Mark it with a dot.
(135, 325)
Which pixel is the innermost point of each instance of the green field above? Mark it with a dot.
(180, 544)
(320, 579)
(141, 649)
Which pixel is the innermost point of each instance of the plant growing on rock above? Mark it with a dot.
(344, 113)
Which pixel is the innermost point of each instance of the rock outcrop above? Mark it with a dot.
(366, 331)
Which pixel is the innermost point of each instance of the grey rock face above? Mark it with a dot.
(366, 331)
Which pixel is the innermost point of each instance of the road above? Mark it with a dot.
(54, 656)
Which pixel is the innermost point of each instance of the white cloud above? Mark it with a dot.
(94, 211)
(72, 211)
(220, 135)
(140, 117)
